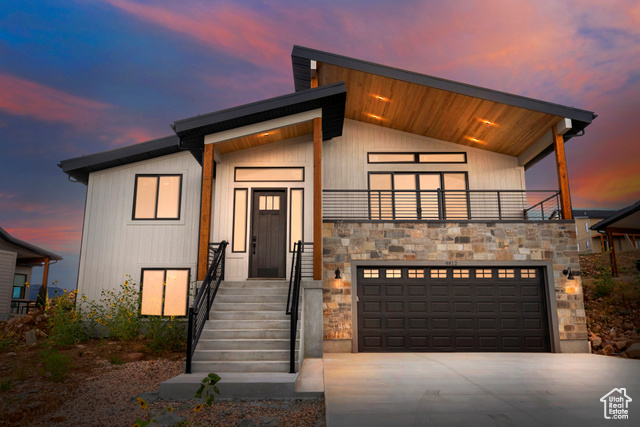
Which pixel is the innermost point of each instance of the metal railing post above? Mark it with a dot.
(499, 206)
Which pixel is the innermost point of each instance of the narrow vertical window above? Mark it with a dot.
(240, 220)
(296, 221)
(176, 292)
(152, 292)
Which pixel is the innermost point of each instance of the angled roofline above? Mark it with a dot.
(28, 246)
(79, 168)
(303, 55)
(592, 213)
(331, 98)
(617, 216)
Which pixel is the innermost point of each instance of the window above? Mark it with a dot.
(416, 274)
(588, 242)
(460, 274)
(394, 274)
(239, 238)
(586, 227)
(19, 286)
(296, 220)
(528, 273)
(157, 197)
(438, 274)
(164, 292)
(506, 274)
(243, 174)
(415, 195)
(578, 246)
(417, 157)
(483, 274)
(371, 274)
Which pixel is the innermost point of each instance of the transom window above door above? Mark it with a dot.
(418, 195)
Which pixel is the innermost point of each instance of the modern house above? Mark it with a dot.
(17, 259)
(624, 222)
(407, 190)
(591, 241)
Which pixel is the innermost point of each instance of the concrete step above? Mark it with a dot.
(239, 366)
(251, 298)
(248, 306)
(256, 284)
(249, 315)
(241, 355)
(220, 334)
(241, 385)
(249, 324)
(252, 291)
(246, 344)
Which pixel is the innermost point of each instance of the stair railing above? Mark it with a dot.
(293, 299)
(199, 311)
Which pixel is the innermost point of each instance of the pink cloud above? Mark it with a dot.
(26, 98)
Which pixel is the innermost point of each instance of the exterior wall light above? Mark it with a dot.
(338, 277)
(568, 273)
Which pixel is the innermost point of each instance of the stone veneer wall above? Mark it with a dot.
(344, 242)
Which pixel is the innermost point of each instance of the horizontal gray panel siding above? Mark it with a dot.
(7, 270)
(113, 245)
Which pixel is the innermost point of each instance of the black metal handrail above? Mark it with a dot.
(199, 311)
(293, 300)
(434, 205)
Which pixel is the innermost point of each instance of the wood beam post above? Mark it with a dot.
(563, 176)
(45, 275)
(614, 262)
(317, 199)
(602, 244)
(205, 211)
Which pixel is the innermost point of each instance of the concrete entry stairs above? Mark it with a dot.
(247, 330)
(246, 341)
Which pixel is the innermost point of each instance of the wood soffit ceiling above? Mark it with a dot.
(265, 137)
(437, 113)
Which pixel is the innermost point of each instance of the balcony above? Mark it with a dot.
(440, 205)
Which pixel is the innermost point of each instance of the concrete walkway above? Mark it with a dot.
(481, 389)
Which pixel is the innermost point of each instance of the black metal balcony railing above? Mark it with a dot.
(433, 205)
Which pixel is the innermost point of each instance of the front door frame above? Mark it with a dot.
(251, 230)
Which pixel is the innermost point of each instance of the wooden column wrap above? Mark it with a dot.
(614, 261)
(205, 211)
(45, 275)
(563, 177)
(317, 199)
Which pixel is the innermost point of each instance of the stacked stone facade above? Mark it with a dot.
(347, 242)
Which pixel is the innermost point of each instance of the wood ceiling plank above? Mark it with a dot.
(258, 139)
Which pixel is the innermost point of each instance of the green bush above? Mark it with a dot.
(603, 284)
(57, 364)
(118, 311)
(165, 334)
(66, 321)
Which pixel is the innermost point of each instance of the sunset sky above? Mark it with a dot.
(79, 77)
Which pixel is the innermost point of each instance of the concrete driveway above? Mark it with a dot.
(481, 389)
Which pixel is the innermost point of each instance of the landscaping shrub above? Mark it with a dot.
(66, 321)
(57, 364)
(603, 283)
(118, 311)
(165, 334)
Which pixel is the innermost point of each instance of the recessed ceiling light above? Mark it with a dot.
(265, 134)
(488, 122)
(374, 116)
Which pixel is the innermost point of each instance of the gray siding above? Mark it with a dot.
(7, 270)
(344, 159)
(113, 245)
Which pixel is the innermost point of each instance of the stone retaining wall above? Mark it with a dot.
(344, 242)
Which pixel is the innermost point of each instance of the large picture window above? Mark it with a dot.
(19, 286)
(414, 195)
(164, 292)
(157, 197)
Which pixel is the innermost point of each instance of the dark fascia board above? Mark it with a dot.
(79, 168)
(330, 98)
(303, 55)
(28, 246)
(617, 216)
(592, 213)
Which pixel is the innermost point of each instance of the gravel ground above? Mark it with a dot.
(111, 400)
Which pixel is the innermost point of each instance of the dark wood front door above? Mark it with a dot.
(268, 234)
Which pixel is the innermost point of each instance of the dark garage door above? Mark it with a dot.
(451, 309)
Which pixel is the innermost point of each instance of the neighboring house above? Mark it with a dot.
(413, 187)
(588, 240)
(17, 258)
(625, 222)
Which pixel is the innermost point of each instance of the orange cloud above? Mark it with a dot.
(224, 27)
(26, 98)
